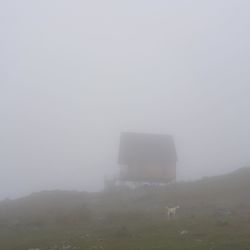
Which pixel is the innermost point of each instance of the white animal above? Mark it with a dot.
(171, 211)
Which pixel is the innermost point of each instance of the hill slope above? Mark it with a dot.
(123, 218)
(231, 190)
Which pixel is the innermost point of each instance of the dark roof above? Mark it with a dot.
(139, 148)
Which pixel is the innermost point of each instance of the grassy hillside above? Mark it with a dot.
(214, 214)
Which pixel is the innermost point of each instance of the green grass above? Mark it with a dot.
(204, 233)
(124, 219)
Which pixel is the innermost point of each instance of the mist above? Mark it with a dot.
(75, 74)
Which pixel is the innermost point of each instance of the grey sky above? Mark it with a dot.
(74, 74)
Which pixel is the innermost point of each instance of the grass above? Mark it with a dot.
(126, 219)
(202, 233)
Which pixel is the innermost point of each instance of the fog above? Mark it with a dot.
(75, 74)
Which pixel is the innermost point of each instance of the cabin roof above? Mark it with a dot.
(146, 149)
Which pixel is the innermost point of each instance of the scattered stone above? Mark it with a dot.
(183, 232)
